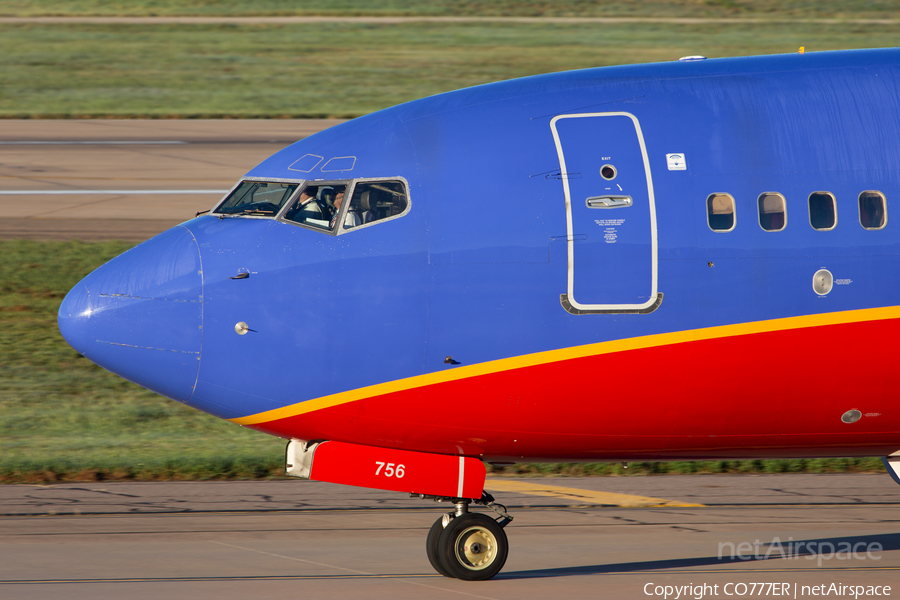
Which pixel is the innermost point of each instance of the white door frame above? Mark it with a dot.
(655, 298)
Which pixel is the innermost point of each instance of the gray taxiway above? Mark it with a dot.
(309, 539)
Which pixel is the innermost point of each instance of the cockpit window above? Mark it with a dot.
(341, 205)
(257, 198)
(317, 205)
(375, 201)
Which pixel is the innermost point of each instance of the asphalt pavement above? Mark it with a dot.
(268, 539)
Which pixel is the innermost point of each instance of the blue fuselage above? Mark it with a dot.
(476, 267)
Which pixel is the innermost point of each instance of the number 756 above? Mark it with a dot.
(390, 470)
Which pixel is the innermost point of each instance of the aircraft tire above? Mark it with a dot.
(432, 547)
(473, 547)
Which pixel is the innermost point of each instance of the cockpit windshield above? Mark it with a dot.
(257, 198)
(341, 205)
(330, 206)
(317, 205)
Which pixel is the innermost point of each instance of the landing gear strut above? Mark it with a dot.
(468, 546)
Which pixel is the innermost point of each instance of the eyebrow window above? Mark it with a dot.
(872, 210)
(822, 211)
(257, 199)
(772, 211)
(720, 212)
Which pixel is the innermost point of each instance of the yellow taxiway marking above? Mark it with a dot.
(579, 495)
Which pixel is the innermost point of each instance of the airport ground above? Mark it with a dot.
(102, 179)
(571, 538)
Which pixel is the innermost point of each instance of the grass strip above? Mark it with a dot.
(62, 418)
(200, 467)
(342, 69)
(505, 8)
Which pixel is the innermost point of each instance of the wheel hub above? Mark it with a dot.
(477, 548)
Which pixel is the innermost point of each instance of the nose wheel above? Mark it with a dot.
(468, 546)
(432, 547)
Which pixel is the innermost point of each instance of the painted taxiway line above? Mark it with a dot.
(104, 192)
(579, 495)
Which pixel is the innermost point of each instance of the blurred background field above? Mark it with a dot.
(347, 69)
(519, 8)
(62, 418)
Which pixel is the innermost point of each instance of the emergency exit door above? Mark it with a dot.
(610, 214)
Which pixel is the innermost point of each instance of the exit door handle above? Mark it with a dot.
(609, 201)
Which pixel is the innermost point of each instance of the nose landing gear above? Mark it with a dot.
(469, 546)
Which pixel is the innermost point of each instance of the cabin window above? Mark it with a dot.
(257, 198)
(822, 211)
(772, 211)
(375, 201)
(720, 212)
(353, 204)
(872, 210)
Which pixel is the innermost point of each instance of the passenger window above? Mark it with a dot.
(257, 199)
(720, 212)
(318, 205)
(375, 201)
(822, 211)
(872, 210)
(772, 212)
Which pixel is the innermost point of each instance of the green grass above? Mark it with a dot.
(795, 465)
(531, 8)
(63, 418)
(341, 69)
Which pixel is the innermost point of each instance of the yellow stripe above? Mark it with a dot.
(550, 356)
(578, 495)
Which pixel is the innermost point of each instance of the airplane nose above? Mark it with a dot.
(141, 314)
(73, 316)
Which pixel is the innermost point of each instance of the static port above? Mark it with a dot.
(608, 172)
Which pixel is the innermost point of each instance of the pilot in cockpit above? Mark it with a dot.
(307, 197)
(307, 206)
(352, 217)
